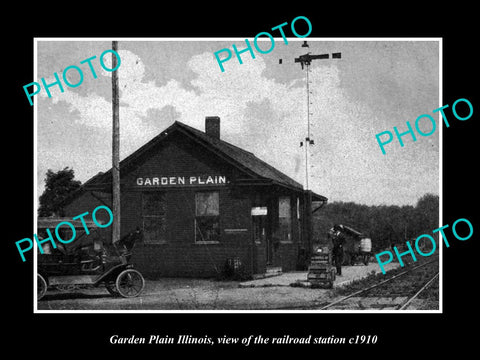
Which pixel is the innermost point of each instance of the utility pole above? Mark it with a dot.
(115, 149)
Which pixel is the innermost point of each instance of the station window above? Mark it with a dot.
(207, 217)
(285, 219)
(154, 217)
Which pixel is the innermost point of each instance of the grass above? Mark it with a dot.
(405, 285)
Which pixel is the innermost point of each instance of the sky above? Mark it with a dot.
(375, 86)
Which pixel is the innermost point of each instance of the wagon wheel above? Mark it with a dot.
(41, 286)
(130, 283)
(112, 288)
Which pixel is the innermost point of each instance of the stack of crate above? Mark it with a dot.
(321, 271)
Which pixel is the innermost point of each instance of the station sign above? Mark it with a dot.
(259, 211)
(182, 180)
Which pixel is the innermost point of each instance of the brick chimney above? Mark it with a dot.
(212, 126)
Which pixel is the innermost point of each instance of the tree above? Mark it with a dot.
(384, 224)
(58, 185)
(427, 211)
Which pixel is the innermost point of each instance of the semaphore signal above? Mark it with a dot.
(305, 61)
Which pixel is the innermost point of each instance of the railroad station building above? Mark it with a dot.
(201, 202)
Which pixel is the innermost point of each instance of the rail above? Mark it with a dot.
(356, 293)
(376, 285)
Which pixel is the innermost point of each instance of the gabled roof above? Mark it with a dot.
(242, 159)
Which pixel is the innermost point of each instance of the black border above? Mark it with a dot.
(398, 333)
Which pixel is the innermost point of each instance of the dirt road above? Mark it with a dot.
(186, 294)
(204, 294)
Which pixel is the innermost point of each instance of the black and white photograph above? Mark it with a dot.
(251, 183)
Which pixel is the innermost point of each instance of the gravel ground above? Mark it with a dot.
(187, 294)
(206, 294)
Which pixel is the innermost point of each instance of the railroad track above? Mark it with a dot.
(396, 300)
(393, 304)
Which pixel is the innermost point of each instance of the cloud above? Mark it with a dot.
(258, 114)
(229, 95)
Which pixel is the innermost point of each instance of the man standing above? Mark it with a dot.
(338, 241)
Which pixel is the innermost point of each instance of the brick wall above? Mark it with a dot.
(88, 201)
(180, 255)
